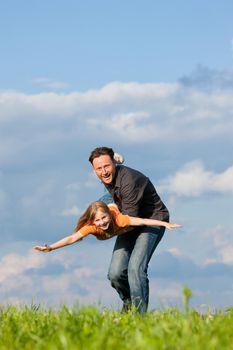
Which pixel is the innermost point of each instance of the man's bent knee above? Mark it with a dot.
(113, 276)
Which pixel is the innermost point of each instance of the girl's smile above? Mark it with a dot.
(102, 220)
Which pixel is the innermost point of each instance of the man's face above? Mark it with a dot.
(105, 168)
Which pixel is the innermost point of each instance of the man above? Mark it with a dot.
(135, 195)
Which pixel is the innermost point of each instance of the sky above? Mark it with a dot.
(154, 81)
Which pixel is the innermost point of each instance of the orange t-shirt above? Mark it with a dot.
(120, 225)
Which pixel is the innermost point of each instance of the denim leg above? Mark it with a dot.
(118, 270)
(106, 198)
(144, 247)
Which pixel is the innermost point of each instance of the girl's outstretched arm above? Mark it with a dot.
(135, 221)
(76, 236)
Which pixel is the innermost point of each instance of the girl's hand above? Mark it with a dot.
(43, 248)
(172, 226)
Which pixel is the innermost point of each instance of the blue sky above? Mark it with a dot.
(153, 80)
(89, 44)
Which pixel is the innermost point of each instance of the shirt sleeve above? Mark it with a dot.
(120, 219)
(88, 229)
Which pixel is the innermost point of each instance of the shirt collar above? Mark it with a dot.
(116, 180)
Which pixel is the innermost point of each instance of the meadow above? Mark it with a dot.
(93, 328)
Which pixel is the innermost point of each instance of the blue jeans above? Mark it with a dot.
(128, 269)
(130, 258)
(106, 198)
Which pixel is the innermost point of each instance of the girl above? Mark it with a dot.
(103, 221)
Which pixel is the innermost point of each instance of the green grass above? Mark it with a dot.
(93, 328)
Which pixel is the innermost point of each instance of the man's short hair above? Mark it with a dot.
(101, 151)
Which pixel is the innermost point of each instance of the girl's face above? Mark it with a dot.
(102, 219)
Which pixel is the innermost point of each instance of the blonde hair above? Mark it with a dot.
(88, 217)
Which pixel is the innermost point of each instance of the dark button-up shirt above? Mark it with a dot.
(135, 195)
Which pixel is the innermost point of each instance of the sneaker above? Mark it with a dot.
(119, 159)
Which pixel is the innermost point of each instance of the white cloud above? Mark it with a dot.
(227, 253)
(174, 251)
(87, 286)
(18, 283)
(11, 148)
(165, 293)
(72, 194)
(13, 265)
(3, 202)
(223, 244)
(48, 83)
(129, 126)
(194, 180)
(39, 126)
(119, 110)
(50, 284)
(89, 182)
(84, 279)
(74, 211)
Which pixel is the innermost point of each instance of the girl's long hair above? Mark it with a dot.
(88, 217)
